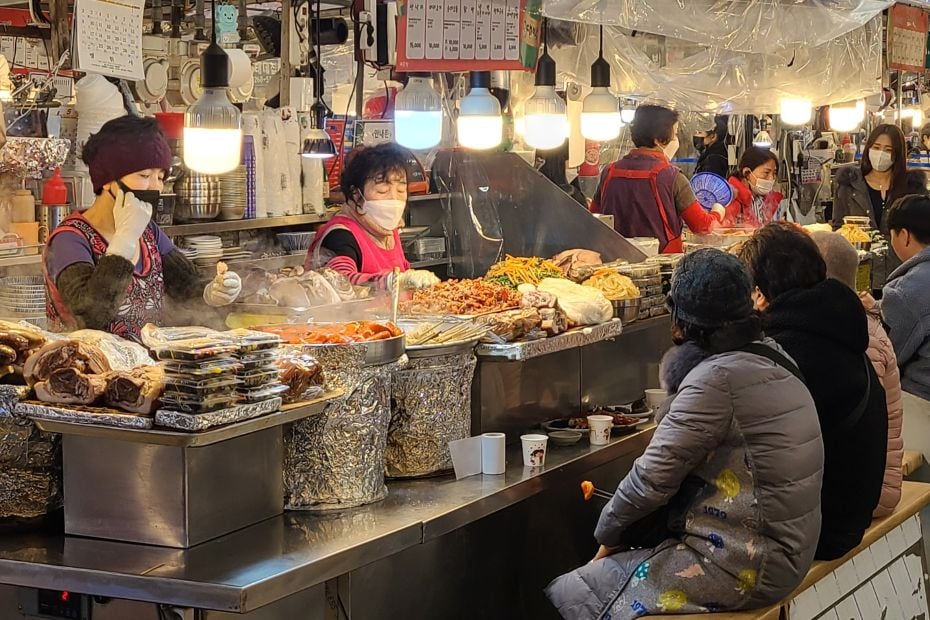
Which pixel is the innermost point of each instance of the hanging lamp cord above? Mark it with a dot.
(600, 47)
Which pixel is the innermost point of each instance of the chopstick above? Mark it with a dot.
(588, 490)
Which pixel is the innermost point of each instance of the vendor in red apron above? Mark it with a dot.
(111, 267)
(362, 241)
(646, 194)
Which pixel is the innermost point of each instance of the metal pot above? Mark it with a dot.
(198, 197)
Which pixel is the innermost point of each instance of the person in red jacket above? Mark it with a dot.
(646, 194)
(756, 202)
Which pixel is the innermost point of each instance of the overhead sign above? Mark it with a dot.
(467, 35)
(907, 38)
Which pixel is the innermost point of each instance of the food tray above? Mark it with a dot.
(264, 392)
(187, 403)
(251, 341)
(203, 369)
(203, 421)
(665, 261)
(639, 270)
(259, 377)
(377, 352)
(195, 350)
(657, 311)
(647, 282)
(98, 416)
(578, 337)
(651, 290)
(201, 392)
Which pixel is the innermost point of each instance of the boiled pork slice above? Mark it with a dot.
(69, 386)
(137, 390)
(60, 354)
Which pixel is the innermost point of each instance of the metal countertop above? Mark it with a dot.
(268, 561)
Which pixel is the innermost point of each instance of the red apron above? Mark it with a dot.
(375, 259)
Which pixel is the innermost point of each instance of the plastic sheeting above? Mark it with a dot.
(756, 26)
(713, 79)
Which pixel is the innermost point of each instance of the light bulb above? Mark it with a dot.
(847, 116)
(545, 122)
(418, 115)
(600, 116)
(796, 111)
(628, 113)
(212, 134)
(479, 124)
(762, 139)
(317, 144)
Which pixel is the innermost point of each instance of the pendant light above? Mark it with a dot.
(847, 116)
(316, 143)
(546, 124)
(212, 130)
(600, 112)
(418, 114)
(628, 111)
(480, 125)
(796, 111)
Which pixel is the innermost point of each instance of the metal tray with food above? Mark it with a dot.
(578, 337)
(622, 424)
(382, 342)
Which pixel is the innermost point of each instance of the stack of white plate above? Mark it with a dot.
(234, 193)
(236, 253)
(22, 297)
(209, 249)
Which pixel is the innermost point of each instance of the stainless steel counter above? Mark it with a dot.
(284, 555)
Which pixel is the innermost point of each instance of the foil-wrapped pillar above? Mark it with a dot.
(30, 466)
(335, 460)
(432, 406)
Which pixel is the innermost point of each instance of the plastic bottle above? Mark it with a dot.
(849, 148)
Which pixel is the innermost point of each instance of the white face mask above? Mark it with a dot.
(762, 186)
(385, 213)
(671, 148)
(880, 160)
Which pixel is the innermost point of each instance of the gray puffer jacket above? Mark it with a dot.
(905, 309)
(739, 453)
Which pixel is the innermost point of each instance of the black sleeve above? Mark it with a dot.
(183, 280)
(93, 294)
(342, 243)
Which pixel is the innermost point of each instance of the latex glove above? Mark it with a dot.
(417, 278)
(223, 289)
(131, 216)
(719, 210)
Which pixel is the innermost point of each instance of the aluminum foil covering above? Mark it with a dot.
(90, 415)
(582, 336)
(30, 157)
(30, 462)
(432, 406)
(203, 421)
(336, 460)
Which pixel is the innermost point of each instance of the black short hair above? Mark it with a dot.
(782, 257)
(136, 129)
(651, 123)
(372, 163)
(753, 157)
(911, 213)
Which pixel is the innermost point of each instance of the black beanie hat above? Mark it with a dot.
(711, 288)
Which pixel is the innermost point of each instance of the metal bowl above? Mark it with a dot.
(627, 310)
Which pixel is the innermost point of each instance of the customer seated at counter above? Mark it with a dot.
(111, 267)
(755, 201)
(646, 194)
(726, 497)
(362, 241)
(842, 265)
(822, 325)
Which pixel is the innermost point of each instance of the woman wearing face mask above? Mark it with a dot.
(646, 194)
(362, 240)
(756, 201)
(111, 267)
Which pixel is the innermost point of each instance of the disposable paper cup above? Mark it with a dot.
(534, 450)
(492, 453)
(599, 429)
(655, 398)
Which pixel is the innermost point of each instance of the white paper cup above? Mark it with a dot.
(534, 450)
(492, 453)
(655, 398)
(599, 429)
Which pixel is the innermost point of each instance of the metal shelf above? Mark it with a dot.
(427, 197)
(13, 261)
(268, 264)
(436, 262)
(183, 230)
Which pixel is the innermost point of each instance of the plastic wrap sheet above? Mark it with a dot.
(202, 421)
(30, 463)
(717, 80)
(432, 406)
(336, 459)
(757, 26)
(582, 336)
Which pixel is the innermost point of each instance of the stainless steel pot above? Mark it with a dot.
(198, 197)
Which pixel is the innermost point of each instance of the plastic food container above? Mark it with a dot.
(187, 403)
(196, 349)
(206, 368)
(258, 378)
(257, 395)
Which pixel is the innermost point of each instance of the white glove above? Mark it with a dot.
(417, 278)
(131, 216)
(719, 210)
(223, 290)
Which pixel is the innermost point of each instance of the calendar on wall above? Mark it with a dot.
(907, 38)
(463, 35)
(107, 37)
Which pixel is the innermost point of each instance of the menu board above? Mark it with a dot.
(467, 35)
(907, 38)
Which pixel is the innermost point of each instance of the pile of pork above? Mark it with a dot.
(295, 287)
(105, 373)
(17, 343)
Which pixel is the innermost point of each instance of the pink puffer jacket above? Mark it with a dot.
(886, 366)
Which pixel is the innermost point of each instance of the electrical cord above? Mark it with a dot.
(345, 123)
